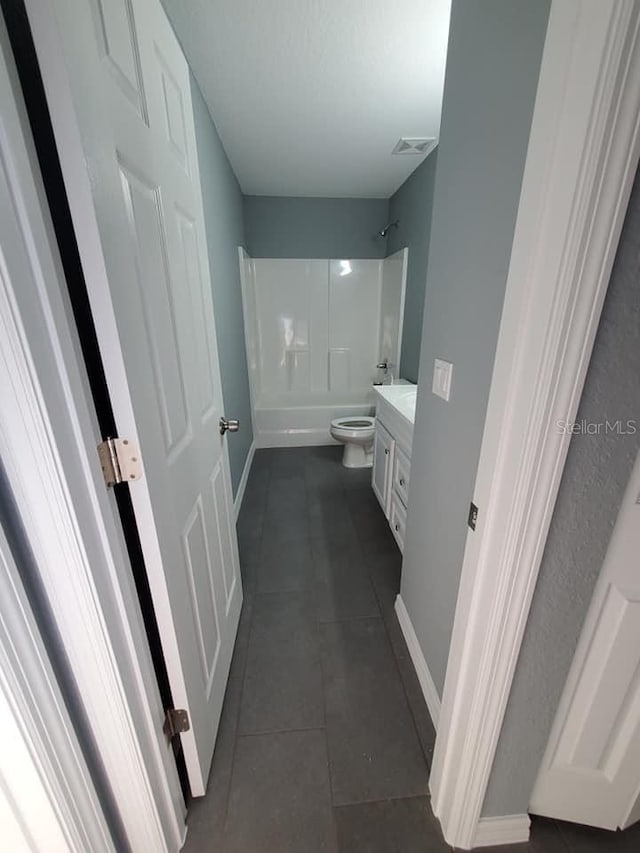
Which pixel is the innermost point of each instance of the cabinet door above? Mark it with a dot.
(383, 448)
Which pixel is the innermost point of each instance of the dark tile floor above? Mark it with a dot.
(325, 741)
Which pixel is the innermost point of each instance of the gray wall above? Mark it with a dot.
(597, 471)
(222, 201)
(495, 49)
(412, 205)
(314, 227)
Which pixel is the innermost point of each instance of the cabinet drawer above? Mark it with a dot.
(398, 520)
(401, 467)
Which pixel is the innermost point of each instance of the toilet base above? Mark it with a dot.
(357, 456)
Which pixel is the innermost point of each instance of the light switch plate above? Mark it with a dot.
(442, 373)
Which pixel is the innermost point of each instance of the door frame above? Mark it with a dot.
(48, 437)
(581, 162)
(578, 175)
(47, 787)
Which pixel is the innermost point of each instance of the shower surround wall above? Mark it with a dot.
(316, 328)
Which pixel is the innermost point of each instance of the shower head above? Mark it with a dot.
(384, 231)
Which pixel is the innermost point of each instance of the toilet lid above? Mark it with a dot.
(354, 423)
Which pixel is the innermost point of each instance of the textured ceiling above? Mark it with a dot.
(311, 96)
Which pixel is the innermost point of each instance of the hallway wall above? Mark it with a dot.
(280, 227)
(495, 49)
(596, 474)
(222, 201)
(412, 205)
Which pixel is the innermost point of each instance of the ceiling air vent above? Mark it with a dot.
(414, 145)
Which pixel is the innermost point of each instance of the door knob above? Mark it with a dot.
(230, 424)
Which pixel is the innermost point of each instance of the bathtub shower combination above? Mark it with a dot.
(315, 332)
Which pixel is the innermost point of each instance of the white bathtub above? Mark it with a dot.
(304, 420)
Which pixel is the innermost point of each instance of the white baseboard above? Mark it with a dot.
(422, 670)
(242, 485)
(510, 829)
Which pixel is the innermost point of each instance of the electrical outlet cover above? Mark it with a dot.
(442, 373)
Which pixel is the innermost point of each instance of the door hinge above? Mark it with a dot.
(473, 516)
(175, 722)
(120, 461)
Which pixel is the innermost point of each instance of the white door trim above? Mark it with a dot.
(510, 829)
(48, 437)
(582, 157)
(244, 479)
(47, 797)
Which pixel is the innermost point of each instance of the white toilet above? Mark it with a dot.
(356, 433)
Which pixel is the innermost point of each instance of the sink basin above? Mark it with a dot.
(401, 397)
(407, 405)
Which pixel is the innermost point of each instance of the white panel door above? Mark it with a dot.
(591, 770)
(141, 238)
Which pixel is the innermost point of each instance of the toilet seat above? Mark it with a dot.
(354, 426)
(356, 433)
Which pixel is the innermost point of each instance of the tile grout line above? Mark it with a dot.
(427, 759)
(307, 522)
(391, 799)
(318, 631)
(378, 600)
(269, 592)
(336, 486)
(394, 656)
(256, 594)
(264, 732)
(244, 666)
(349, 619)
(300, 593)
(318, 625)
(409, 703)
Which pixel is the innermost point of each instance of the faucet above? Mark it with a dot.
(384, 365)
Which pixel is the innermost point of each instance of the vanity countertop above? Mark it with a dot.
(401, 397)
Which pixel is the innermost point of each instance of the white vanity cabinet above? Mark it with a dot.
(395, 409)
(383, 447)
